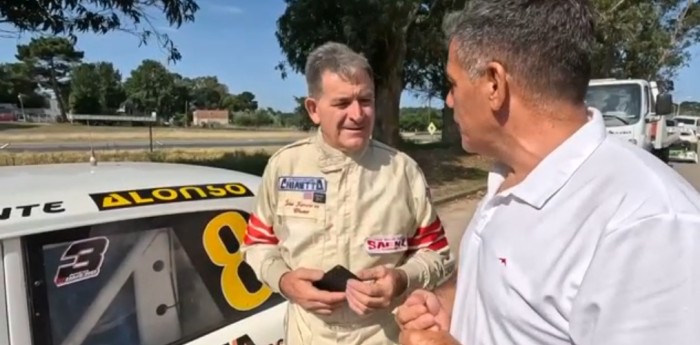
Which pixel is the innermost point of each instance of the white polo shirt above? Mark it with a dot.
(599, 245)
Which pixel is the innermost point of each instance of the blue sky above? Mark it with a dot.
(234, 40)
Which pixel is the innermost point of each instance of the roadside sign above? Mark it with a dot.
(432, 128)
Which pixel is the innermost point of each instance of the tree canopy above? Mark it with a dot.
(53, 63)
(383, 39)
(406, 46)
(69, 17)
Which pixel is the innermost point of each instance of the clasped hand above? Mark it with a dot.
(297, 286)
(374, 290)
(424, 320)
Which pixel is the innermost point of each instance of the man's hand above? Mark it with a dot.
(297, 287)
(416, 337)
(422, 310)
(378, 286)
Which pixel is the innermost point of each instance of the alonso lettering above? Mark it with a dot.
(163, 195)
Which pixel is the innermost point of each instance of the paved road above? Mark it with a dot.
(145, 144)
(138, 144)
(456, 215)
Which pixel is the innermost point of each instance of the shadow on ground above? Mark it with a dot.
(6, 126)
(443, 164)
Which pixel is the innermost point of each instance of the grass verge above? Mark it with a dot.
(447, 170)
(25, 133)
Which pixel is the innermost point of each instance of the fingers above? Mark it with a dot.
(365, 288)
(415, 299)
(357, 307)
(324, 302)
(325, 297)
(368, 303)
(422, 322)
(406, 314)
(373, 273)
(433, 304)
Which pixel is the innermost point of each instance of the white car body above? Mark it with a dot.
(130, 254)
(686, 149)
(688, 121)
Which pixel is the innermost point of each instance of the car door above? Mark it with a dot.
(166, 280)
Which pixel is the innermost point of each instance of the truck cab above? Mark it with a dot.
(130, 254)
(635, 110)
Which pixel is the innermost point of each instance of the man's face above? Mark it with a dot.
(344, 110)
(472, 102)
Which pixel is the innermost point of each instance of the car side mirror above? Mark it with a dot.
(664, 104)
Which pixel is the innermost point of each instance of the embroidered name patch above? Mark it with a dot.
(301, 184)
(386, 244)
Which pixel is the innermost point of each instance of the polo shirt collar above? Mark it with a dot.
(552, 173)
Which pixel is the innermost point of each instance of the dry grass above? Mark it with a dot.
(447, 171)
(12, 132)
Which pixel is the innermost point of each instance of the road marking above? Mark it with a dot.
(4, 146)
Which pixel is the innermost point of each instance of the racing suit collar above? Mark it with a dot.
(331, 156)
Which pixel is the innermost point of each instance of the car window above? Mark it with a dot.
(149, 281)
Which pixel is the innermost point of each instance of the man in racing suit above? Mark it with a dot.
(340, 198)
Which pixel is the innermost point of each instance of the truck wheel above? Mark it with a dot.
(663, 154)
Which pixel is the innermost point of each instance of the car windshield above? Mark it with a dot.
(620, 103)
(151, 281)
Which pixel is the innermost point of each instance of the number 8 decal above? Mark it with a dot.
(232, 287)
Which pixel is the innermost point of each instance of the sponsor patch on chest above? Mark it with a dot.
(386, 244)
(301, 184)
(304, 208)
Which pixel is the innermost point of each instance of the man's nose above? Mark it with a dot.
(355, 111)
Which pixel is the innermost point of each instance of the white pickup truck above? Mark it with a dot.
(130, 254)
(635, 110)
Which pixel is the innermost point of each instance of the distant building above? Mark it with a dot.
(202, 117)
(8, 112)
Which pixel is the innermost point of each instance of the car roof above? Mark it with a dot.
(82, 190)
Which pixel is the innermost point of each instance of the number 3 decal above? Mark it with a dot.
(232, 287)
(85, 256)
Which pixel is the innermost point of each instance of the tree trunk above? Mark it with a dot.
(450, 131)
(388, 99)
(58, 93)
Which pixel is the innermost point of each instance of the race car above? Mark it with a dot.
(130, 254)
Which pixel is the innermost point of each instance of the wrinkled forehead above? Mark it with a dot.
(355, 83)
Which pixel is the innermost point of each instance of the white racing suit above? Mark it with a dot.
(317, 208)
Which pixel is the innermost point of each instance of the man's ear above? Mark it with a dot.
(497, 85)
(310, 105)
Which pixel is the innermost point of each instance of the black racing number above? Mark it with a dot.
(82, 260)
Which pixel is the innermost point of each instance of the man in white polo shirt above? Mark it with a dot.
(582, 238)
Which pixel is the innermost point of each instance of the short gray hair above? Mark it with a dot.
(545, 44)
(333, 57)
